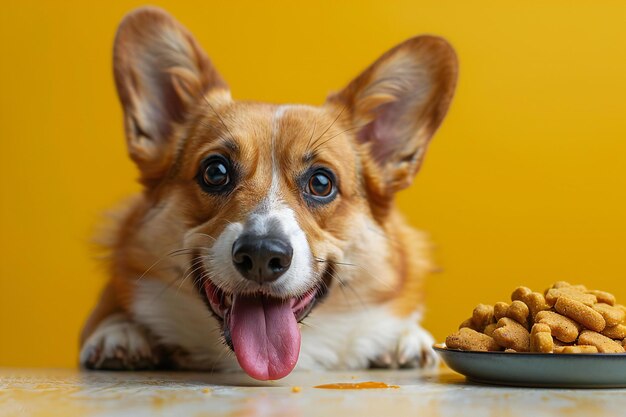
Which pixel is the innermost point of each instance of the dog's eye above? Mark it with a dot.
(320, 185)
(215, 173)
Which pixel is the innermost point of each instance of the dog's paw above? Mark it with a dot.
(412, 349)
(118, 344)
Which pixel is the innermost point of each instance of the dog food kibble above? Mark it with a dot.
(468, 339)
(562, 328)
(518, 311)
(580, 313)
(564, 319)
(482, 316)
(602, 343)
(603, 297)
(512, 335)
(614, 332)
(489, 329)
(572, 293)
(541, 338)
(612, 315)
(535, 301)
(520, 293)
(500, 309)
(467, 323)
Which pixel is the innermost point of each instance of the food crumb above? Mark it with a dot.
(296, 389)
(206, 390)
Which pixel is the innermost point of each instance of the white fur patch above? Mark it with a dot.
(180, 318)
(357, 339)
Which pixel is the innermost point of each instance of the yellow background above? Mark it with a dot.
(524, 183)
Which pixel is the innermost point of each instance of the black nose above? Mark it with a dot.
(261, 258)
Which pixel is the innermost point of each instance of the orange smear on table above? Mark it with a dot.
(357, 385)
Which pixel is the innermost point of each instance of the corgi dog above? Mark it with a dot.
(266, 237)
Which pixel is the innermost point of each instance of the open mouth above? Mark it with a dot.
(222, 303)
(262, 330)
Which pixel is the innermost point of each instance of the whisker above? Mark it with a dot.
(176, 252)
(174, 281)
(218, 116)
(162, 258)
(311, 138)
(343, 284)
(321, 260)
(356, 266)
(334, 136)
(331, 125)
(205, 234)
(309, 325)
(198, 266)
(222, 354)
(190, 249)
(200, 280)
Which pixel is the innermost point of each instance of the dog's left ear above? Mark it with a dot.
(397, 104)
(161, 73)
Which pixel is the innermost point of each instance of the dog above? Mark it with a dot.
(267, 231)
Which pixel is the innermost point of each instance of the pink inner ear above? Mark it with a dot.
(385, 132)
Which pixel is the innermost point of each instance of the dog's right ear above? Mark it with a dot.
(397, 104)
(160, 73)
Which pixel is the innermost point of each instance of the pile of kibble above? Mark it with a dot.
(564, 318)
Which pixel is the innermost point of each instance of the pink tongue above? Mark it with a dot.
(265, 336)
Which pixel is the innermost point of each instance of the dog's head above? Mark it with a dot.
(271, 199)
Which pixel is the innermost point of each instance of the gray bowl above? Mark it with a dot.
(598, 370)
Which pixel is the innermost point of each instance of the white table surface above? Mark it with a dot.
(69, 392)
